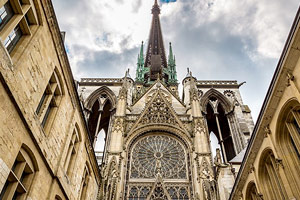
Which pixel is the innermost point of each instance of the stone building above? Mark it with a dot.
(270, 168)
(157, 143)
(45, 149)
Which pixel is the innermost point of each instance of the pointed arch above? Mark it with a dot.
(31, 155)
(227, 106)
(288, 140)
(217, 123)
(89, 102)
(100, 105)
(269, 176)
(160, 162)
(251, 192)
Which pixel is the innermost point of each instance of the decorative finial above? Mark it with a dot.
(155, 8)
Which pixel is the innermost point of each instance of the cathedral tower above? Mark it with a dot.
(157, 145)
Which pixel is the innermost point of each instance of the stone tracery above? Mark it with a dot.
(162, 159)
(160, 148)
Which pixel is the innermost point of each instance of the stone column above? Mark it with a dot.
(221, 139)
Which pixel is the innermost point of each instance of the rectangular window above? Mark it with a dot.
(24, 13)
(6, 14)
(49, 101)
(12, 39)
(73, 148)
(46, 116)
(85, 182)
(38, 109)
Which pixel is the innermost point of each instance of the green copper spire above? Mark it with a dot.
(172, 66)
(171, 58)
(140, 65)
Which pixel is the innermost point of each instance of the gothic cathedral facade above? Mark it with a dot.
(157, 145)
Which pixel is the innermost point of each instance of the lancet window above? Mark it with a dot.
(270, 177)
(49, 101)
(72, 151)
(218, 124)
(100, 116)
(288, 134)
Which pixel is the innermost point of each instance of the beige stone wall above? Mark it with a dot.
(25, 73)
(272, 137)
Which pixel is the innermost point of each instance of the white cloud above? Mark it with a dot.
(217, 39)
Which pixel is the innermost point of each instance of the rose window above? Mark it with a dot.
(158, 151)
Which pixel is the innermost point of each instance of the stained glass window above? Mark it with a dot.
(158, 148)
(155, 154)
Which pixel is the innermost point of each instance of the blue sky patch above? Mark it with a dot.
(167, 1)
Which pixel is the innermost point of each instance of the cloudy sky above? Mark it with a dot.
(217, 39)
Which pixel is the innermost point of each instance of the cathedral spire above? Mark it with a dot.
(172, 66)
(155, 56)
(140, 65)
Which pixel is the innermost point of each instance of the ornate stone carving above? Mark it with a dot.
(158, 151)
(200, 93)
(159, 191)
(290, 77)
(218, 159)
(110, 174)
(278, 162)
(231, 96)
(158, 112)
(194, 94)
(252, 169)
(119, 124)
(267, 130)
(205, 172)
(209, 185)
(123, 93)
(199, 125)
(210, 189)
(214, 104)
(160, 157)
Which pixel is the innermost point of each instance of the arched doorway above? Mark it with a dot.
(158, 167)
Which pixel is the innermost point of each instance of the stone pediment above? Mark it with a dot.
(173, 99)
(158, 110)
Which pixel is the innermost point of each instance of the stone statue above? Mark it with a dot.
(218, 158)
